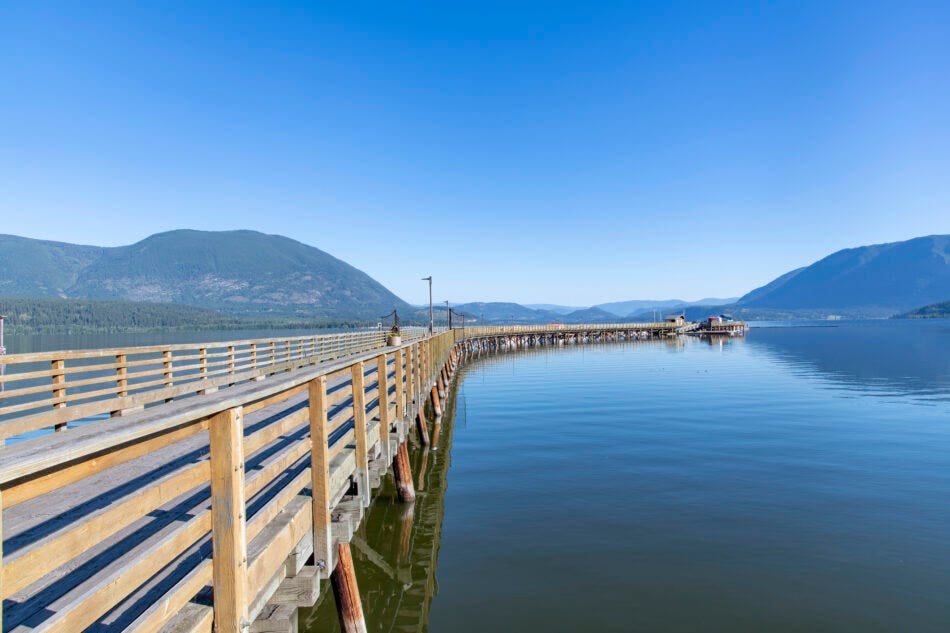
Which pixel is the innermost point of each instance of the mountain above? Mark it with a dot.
(880, 280)
(515, 313)
(933, 311)
(240, 273)
(623, 308)
(590, 315)
(39, 268)
(643, 306)
(504, 312)
(553, 307)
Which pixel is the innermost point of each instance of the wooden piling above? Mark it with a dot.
(402, 473)
(349, 608)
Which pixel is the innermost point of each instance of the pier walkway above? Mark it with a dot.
(215, 486)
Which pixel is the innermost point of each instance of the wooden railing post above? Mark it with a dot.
(359, 430)
(1, 555)
(400, 387)
(382, 381)
(167, 374)
(59, 377)
(428, 361)
(320, 474)
(121, 380)
(228, 522)
(410, 374)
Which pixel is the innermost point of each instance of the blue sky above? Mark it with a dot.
(551, 152)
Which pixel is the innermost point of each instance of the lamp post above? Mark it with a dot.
(448, 313)
(429, 279)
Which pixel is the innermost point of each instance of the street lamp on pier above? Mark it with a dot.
(429, 279)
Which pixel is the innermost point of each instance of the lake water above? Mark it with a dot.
(798, 480)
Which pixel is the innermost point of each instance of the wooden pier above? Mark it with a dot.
(215, 486)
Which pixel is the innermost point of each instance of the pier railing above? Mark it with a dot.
(51, 389)
(228, 515)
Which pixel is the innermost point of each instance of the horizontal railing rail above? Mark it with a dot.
(52, 389)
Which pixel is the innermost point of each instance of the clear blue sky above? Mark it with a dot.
(551, 152)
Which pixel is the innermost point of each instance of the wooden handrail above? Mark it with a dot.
(79, 384)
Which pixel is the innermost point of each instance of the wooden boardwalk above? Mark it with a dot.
(224, 504)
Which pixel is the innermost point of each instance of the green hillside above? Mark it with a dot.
(239, 273)
(39, 268)
(933, 311)
(45, 315)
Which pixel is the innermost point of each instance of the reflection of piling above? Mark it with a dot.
(436, 404)
(403, 474)
(423, 463)
(347, 594)
(436, 427)
(405, 533)
(423, 427)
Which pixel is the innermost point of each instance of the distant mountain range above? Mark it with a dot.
(874, 281)
(240, 273)
(250, 275)
(627, 308)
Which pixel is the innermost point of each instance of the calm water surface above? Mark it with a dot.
(795, 481)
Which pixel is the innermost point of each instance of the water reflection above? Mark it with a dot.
(678, 485)
(890, 358)
(396, 548)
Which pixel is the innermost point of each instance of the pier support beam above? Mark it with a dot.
(402, 473)
(347, 593)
